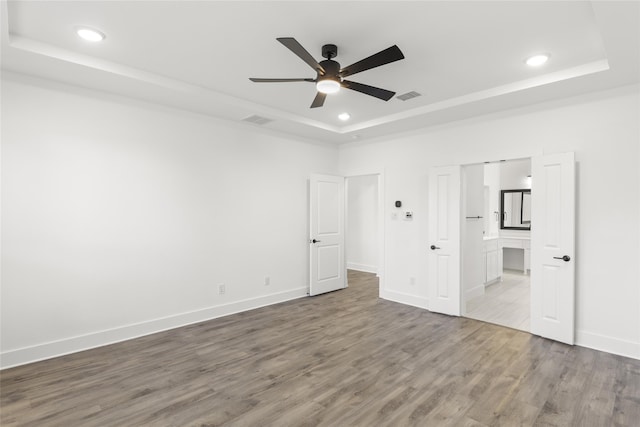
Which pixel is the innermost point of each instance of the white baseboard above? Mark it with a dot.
(362, 267)
(402, 298)
(476, 291)
(608, 344)
(75, 344)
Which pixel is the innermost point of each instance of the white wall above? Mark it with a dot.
(362, 223)
(121, 219)
(514, 173)
(603, 130)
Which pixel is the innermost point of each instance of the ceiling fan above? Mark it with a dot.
(330, 77)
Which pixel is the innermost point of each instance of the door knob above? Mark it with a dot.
(434, 247)
(315, 241)
(565, 258)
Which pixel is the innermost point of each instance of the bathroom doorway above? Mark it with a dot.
(495, 234)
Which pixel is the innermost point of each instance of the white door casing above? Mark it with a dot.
(444, 240)
(327, 236)
(553, 247)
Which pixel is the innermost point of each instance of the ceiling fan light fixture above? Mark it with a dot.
(328, 86)
(89, 34)
(537, 60)
(329, 74)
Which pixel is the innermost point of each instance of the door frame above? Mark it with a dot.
(380, 225)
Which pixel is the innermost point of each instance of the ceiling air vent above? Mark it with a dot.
(408, 95)
(257, 120)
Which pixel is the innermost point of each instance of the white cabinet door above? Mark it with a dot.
(492, 265)
(444, 240)
(552, 247)
(490, 260)
(486, 269)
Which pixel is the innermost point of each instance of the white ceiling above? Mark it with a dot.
(465, 58)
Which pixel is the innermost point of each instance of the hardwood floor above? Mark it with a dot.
(506, 302)
(341, 359)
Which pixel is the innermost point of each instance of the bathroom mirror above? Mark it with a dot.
(515, 206)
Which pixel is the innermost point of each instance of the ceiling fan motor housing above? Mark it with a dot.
(331, 68)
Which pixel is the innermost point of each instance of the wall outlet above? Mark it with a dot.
(267, 280)
(412, 281)
(222, 289)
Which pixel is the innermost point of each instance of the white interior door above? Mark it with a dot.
(444, 240)
(326, 238)
(552, 247)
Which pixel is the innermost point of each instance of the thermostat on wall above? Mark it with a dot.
(408, 215)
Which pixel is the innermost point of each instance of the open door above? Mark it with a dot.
(444, 240)
(326, 228)
(552, 247)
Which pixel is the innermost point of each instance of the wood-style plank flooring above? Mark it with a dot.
(506, 302)
(345, 358)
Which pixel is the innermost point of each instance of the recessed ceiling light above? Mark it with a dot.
(537, 60)
(89, 34)
(344, 116)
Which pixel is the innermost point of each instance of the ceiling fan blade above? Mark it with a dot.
(318, 101)
(257, 80)
(386, 56)
(369, 90)
(302, 53)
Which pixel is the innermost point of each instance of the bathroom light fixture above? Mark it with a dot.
(89, 34)
(344, 116)
(328, 86)
(537, 60)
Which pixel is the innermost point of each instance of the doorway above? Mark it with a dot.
(496, 236)
(551, 246)
(364, 225)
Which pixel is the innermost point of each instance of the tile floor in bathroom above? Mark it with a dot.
(505, 302)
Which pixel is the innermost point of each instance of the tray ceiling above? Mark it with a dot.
(464, 58)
